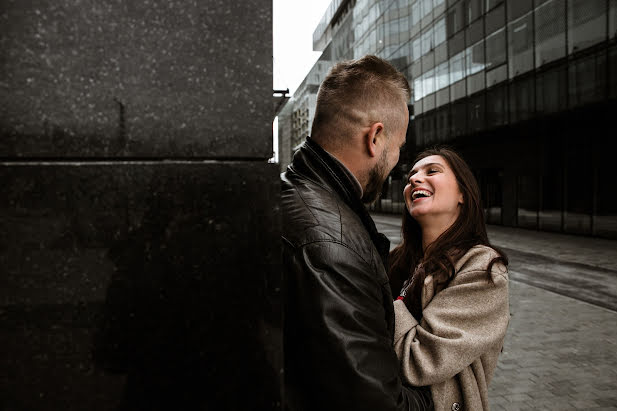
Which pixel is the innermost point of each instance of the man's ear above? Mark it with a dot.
(374, 138)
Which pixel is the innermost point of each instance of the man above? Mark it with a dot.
(339, 318)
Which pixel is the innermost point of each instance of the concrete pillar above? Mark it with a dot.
(139, 225)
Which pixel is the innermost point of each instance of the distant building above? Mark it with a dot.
(525, 90)
(296, 118)
(284, 135)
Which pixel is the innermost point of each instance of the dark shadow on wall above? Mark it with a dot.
(186, 315)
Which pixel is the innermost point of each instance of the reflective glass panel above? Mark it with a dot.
(520, 46)
(550, 32)
(587, 21)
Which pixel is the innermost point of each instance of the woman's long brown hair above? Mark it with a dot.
(440, 256)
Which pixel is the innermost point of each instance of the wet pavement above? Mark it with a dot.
(580, 267)
(561, 348)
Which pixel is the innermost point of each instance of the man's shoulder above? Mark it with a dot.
(312, 212)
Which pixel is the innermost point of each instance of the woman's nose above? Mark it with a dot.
(415, 179)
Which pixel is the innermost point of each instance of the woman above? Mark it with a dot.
(452, 313)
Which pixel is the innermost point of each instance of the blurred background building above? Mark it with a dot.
(525, 90)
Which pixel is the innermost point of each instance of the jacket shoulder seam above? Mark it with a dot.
(335, 242)
(480, 271)
(305, 204)
(340, 219)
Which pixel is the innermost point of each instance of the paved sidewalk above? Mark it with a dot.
(590, 251)
(560, 353)
(596, 252)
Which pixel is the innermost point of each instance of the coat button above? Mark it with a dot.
(456, 406)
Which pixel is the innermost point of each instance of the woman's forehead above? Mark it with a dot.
(434, 159)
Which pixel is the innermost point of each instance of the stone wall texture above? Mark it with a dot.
(139, 222)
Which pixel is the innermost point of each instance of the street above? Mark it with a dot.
(561, 348)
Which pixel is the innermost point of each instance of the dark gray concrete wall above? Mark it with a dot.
(191, 76)
(139, 226)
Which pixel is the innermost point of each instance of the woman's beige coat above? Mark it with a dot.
(455, 347)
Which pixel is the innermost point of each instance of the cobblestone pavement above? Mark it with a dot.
(595, 252)
(560, 352)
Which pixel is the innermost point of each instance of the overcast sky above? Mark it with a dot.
(293, 24)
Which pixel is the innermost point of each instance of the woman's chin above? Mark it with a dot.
(417, 215)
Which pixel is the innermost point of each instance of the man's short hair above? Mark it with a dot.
(359, 93)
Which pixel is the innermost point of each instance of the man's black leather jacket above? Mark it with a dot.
(339, 317)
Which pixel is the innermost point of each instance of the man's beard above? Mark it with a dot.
(377, 176)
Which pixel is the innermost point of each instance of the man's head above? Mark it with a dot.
(361, 118)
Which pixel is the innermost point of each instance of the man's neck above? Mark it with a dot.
(354, 180)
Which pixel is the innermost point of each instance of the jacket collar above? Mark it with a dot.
(316, 164)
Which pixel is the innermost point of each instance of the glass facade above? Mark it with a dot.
(497, 77)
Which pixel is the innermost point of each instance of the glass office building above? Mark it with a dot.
(525, 90)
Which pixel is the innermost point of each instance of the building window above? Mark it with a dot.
(578, 208)
(458, 125)
(496, 75)
(474, 10)
(612, 72)
(457, 67)
(495, 19)
(496, 106)
(550, 32)
(528, 204)
(417, 48)
(586, 23)
(552, 91)
(522, 99)
(442, 76)
(496, 49)
(429, 82)
(372, 41)
(517, 8)
(491, 4)
(427, 41)
(612, 20)
(403, 21)
(392, 39)
(587, 79)
(381, 34)
(476, 108)
(418, 91)
(490, 181)
(415, 12)
(475, 58)
(605, 219)
(551, 209)
(520, 46)
(455, 19)
(443, 123)
(440, 31)
(427, 7)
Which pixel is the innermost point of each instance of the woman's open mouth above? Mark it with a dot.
(419, 194)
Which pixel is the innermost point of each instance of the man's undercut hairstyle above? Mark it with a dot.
(359, 93)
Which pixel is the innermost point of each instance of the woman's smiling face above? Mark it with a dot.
(432, 191)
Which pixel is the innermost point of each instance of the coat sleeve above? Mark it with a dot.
(458, 325)
(337, 344)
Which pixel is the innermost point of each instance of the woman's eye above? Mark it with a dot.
(432, 170)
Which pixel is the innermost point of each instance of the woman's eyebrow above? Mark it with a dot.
(414, 171)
